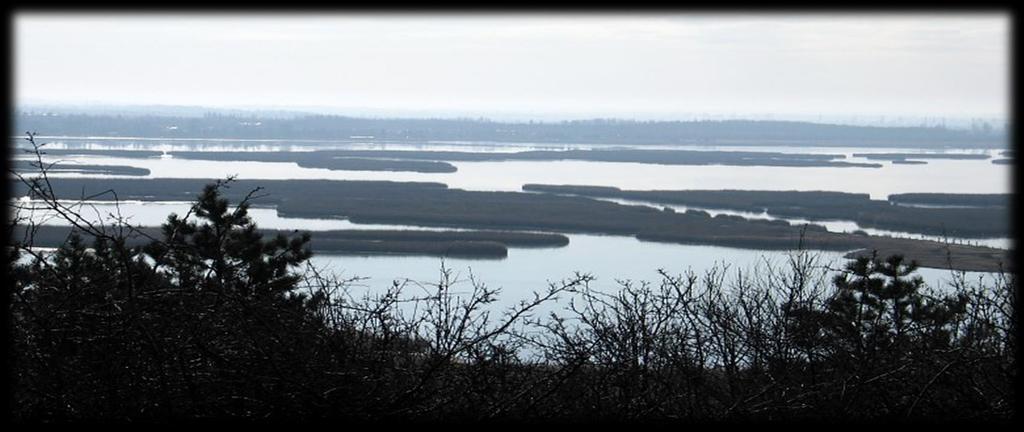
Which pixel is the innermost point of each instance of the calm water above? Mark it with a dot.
(609, 258)
(606, 257)
(205, 144)
(149, 213)
(950, 176)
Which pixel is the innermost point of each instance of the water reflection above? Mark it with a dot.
(609, 258)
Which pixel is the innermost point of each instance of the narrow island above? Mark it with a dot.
(952, 199)
(27, 166)
(436, 205)
(987, 215)
(903, 156)
(315, 159)
(457, 244)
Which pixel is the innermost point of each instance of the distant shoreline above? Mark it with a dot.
(606, 131)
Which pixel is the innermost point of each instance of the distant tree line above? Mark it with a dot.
(605, 131)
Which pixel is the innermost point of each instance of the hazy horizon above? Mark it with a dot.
(865, 119)
(525, 67)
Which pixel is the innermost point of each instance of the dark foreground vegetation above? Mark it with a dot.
(605, 131)
(210, 319)
(983, 215)
(462, 244)
(433, 204)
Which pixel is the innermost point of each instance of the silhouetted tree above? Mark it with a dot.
(212, 320)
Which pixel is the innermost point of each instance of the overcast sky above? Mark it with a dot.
(656, 65)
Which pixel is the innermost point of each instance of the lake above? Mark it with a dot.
(525, 270)
(606, 257)
(950, 176)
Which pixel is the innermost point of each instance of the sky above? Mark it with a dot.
(660, 66)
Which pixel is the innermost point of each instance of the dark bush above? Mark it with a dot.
(212, 320)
